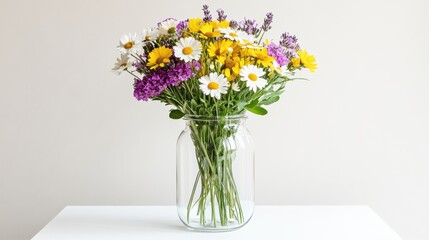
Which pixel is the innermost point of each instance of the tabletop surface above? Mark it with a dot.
(268, 222)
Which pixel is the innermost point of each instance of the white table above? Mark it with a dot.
(269, 222)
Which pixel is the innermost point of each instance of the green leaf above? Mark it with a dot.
(241, 105)
(270, 100)
(257, 110)
(176, 114)
(252, 104)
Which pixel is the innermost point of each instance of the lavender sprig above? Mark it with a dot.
(289, 41)
(207, 14)
(221, 15)
(267, 22)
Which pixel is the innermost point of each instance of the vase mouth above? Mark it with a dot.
(214, 118)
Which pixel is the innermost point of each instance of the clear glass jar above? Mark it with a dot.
(215, 173)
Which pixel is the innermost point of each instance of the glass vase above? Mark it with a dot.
(215, 173)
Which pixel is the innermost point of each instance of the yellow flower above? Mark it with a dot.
(296, 62)
(217, 24)
(232, 67)
(308, 61)
(159, 57)
(208, 31)
(262, 57)
(194, 25)
(220, 49)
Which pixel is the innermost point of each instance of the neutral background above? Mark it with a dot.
(72, 134)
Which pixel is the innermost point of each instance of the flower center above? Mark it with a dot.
(128, 45)
(209, 34)
(213, 86)
(187, 50)
(160, 60)
(253, 76)
(229, 63)
(171, 30)
(233, 34)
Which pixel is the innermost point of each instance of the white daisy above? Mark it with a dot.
(167, 26)
(130, 44)
(188, 49)
(214, 85)
(253, 77)
(248, 41)
(150, 35)
(282, 71)
(231, 34)
(122, 64)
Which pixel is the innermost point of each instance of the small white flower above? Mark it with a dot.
(231, 34)
(122, 64)
(282, 71)
(214, 85)
(248, 41)
(188, 49)
(167, 26)
(130, 44)
(253, 77)
(235, 87)
(150, 35)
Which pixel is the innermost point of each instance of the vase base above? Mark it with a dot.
(197, 227)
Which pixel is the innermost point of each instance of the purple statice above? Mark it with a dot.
(181, 28)
(267, 22)
(221, 15)
(207, 14)
(181, 72)
(279, 53)
(290, 42)
(148, 87)
(248, 26)
(157, 81)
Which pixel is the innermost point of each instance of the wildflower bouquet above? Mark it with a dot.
(213, 68)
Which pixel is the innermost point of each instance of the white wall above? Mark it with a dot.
(72, 134)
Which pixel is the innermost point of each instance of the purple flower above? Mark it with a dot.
(154, 83)
(181, 27)
(233, 24)
(220, 15)
(290, 42)
(207, 14)
(279, 53)
(248, 26)
(267, 22)
(148, 87)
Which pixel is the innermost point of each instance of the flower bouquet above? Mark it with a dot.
(212, 71)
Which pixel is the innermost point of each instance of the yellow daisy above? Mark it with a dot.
(308, 61)
(262, 57)
(208, 31)
(217, 24)
(194, 24)
(296, 62)
(158, 57)
(232, 68)
(220, 49)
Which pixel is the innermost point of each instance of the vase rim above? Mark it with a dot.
(214, 118)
